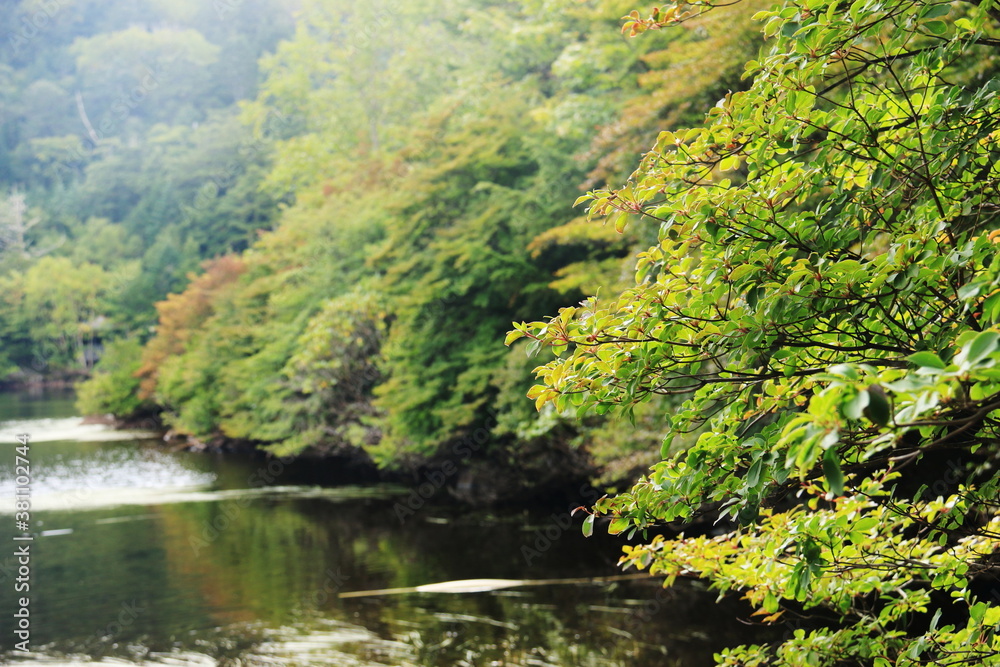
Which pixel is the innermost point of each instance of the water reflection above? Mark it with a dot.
(59, 469)
(37, 403)
(230, 572)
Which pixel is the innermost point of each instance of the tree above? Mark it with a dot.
(417, 193)
(823, 294)
(57, 306)
(15, 221)
(113, 387)
(457, 272)
(119, 127)
(118, 71)
(226, 355)
(353, 81)
(180, 315)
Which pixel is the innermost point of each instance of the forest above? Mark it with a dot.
(308, 228)
(742, 254)
(124, 164)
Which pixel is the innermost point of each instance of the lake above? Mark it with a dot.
(149, 556)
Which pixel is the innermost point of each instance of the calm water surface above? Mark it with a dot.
(171, 558)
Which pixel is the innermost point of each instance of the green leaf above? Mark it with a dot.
(618, 525)
(772, 26)
(936, 27)
(855, 10)
(878, 410)
(926, 360)
(831, 470)
(855, 407)
(748, 513)
(969, 291)
(588, 525)
(665, 448)
(729, 163)
(936, 10)
(991, 309)
(977, 611)
(965, 24)
(512, 336)
(980, 347)
(844, 370)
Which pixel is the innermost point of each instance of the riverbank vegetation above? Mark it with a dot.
(336, 249)
(823, 293)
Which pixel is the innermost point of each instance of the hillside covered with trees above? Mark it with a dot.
(336, 235)
(124, 163)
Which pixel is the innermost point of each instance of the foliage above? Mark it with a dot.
(114, 386)
(823, 293)
(333, 371)
(702, 61)
(428, 155)
(120, 131)
(427, 150)
(180, 315)
(456, 268)
(222, 359)
(59, 304)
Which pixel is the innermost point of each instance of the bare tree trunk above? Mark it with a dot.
(82, 110)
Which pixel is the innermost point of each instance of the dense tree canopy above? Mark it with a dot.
(824, 295)
(121, 148)
(434, 156)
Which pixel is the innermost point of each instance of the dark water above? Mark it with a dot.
(190, 559)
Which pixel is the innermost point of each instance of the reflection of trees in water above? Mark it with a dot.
(252, 581)
(249, 559)
(573, 625)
